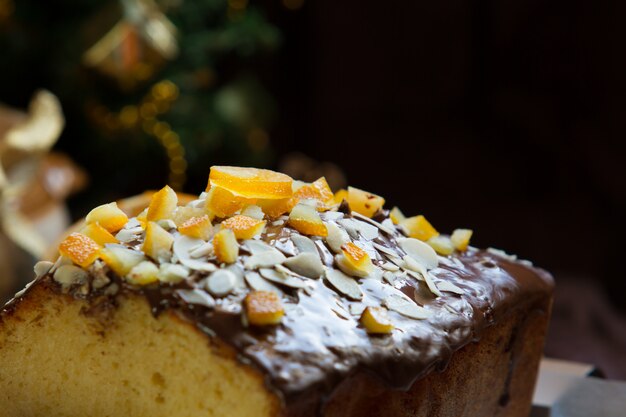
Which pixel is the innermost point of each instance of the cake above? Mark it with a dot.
(267, 296)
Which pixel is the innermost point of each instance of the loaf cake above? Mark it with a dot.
(267, 296)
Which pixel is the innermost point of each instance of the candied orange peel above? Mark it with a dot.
(109, 216)
(98, 234)
(157, 242)
(461, 238)
(251, 182)
(244, 227)
(263, 308)
(306, 220)
(376, 321)
(419, 228)
(197, 227)
(82, 250)
(223, 203)
(162, 204)
(225, 246)
(364, 202)
(354, 260)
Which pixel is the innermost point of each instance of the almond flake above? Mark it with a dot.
(406, 307)
(419, 251)
(264, 259)
(388, 266)
(183, 246)
(502, 254)
(67, 275)
(390, 277)
(304, 244)
(413, 265)
(278, 223)
(172, 273)
(337, 237)
(167, 224)
(253, 211)
(367, 231)
(221, 282)
(449, 287)
(357, 309)
(127, 235)
(258, 283)
(382, 227)
(41, 268)
(205, 249)
(385, 249)
(350, 226)
(281, 278)
(306, 264)
(344, 284)
(196, 296)
(256, 246)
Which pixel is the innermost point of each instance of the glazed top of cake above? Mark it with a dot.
(307, 285)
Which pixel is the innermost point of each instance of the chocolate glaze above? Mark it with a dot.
(320, 341)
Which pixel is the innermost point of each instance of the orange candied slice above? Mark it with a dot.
(460, 239)
(109, 216)
(98, 234)
(223, 203)
(276, 208)
(263, 308)
(244, 227)
(354, 260)
(396, 215)
(318, 190)
(363, 202)
(184, 213)
(340, 195)
(198, 227)
(81, 249)
(157, 242)
(225, 246)
(376, 321)
(306, 220)
(420, 228)
(251, 182)
(162, 204)
(325, 193)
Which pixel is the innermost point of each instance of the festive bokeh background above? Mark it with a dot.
(507, 118)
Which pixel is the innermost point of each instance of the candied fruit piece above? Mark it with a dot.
(306, 220)
(184, 213)
(157, 242)
(142, 217)
(143, 273)
(98, 234)
(396, 215)
(364, 202)
(263, 308)
(376, 321)
(162, 204)
(198, 227)
(276, 208)
(340, 195)
(419, 228)
(224, 203)
(441, 244)
(120, 258)
(109, 216)
(81, 249)
(225, 246)
(244, 227)
(251, 182)
(325, 193)
(461, 238)
(354, 261)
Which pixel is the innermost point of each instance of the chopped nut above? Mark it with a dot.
(461, 238)
(41, 268)
(98, 234)
(80, 249)
(225, 246)
(418, 227)
(197, 227)
(162, 204)
(354, 261)
(396, 215)
(158, 242)
(376, 321)
(68, 275)
(221, 282)
(263, 308)
(306, 264)
(363, 202)
(441, 244)
(143, 273)
(307, 221)
(344, 284)
(244, 227)
(120, 258)
(108, 216)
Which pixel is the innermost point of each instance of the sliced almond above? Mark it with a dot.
(406, 307)
(221, 282)
(68, 275)
(264, 259)
(183, 246)
(196, 296)
(143, 273)
(367, 231)
(350, 226)
(258, 283)
(304, 244)
(388, 266)
(419, 251)
(344, 284)
(278, 277)
(337, 237)
(415, 266)
(253, 211)
(257, 246)
(306, 264)
(449, 287)
(387, 229)
(41, 268)
(127, 235)
(203, 250)
(390, 277)
(172, 273)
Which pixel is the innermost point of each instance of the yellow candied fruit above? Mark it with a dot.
(184, 213)
(223, 203)
(441, 244)
(251, 182)
(109, 216)
(276, 208)
(263, 308)
(157, 242)
(244, 227)
(396, 215)
(98, 234)
(143, 273)
(376, 321)
(340, 195)
(363, 202)
(325, 193)
(461, 238)
(225, 246)
(82, 250)
(419, 228)
(354, 260)
(307, 221)
(162, 204)
(197, 227)
(142, 218)
(120, 258)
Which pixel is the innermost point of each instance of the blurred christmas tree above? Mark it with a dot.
(145, 84)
